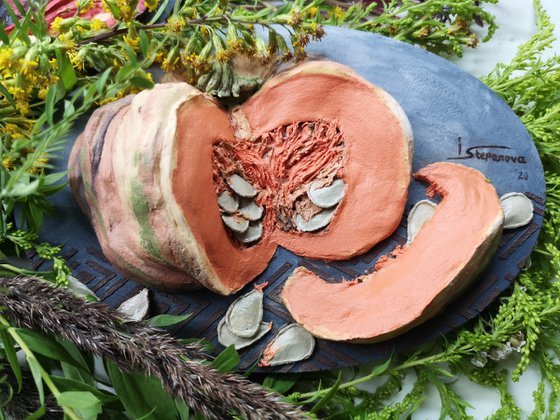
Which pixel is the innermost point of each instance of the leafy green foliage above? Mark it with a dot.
(440, 26)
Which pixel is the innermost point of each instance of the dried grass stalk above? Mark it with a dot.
(97, 328)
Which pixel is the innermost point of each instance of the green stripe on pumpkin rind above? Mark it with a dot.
(94, 208)
(141, 209)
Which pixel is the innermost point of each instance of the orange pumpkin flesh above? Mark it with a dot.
(444, 258)
(153, 200)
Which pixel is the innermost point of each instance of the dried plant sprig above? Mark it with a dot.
(95, 327)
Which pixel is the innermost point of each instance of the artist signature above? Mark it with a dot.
(489, 153)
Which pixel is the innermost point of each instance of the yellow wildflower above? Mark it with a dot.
(126, 11)
(160, 57)
(77, 60)
(12, 130)
(98, 25)
(151, 4)
(176, 24)
(337, 12)
(133, 41)
(6, 57)
(8, 164)
(42, 93)
(120, 94)
(56, 25)
(84, 6)
(169, 64)
(17, 92)
(222, 56)
(26, 67)
(312, 12)
(67, 41)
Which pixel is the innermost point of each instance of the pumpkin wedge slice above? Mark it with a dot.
(445, 257)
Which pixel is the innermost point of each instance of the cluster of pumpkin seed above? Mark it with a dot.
(517, 207)
(243, 216)
(240, 213)
(327, 199)
(242, 326)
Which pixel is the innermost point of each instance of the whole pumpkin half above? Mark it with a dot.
(184, 193)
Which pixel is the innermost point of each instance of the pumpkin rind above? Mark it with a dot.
(445, 257)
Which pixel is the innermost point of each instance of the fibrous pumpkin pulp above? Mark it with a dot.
(182, 192)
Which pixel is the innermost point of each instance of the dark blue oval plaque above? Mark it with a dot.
(454, 117)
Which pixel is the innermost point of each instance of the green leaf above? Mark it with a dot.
(281, 383)
(166, 320)
(127, 71)
(37, 414)
(9, 347)
(227, 360)
(183, 410)
(48, 347)
(72, 372)
(66, 70)
(110, 401)
(159, 12)
(113, 8)
(35, 369)
(13, 16)
(140, 395)
(380, 369)
(20, 7)
(49, 104)
(142, 82)
(4, 35)
(85, 402)
(326, 398)
(8, 96)
(144, 42)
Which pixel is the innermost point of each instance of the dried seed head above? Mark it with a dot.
(420, 214)
(518, 210)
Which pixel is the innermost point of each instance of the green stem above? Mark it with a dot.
(44, 375)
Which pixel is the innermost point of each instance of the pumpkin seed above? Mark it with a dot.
(228, 202)
(226, 337)
(241, 187)
(320, 220)
(249, 210)
(136, 308)
(253, 233)
(292, 344)
(518, 210)
(419, 215)
(237, 224)
(327, 196)
(80, 289)
(244, 316)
